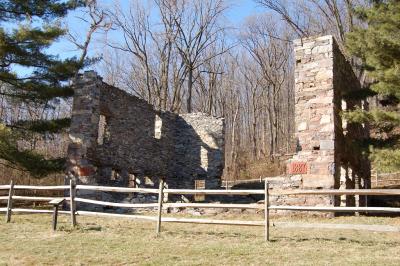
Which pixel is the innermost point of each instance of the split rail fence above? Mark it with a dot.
(73, 199)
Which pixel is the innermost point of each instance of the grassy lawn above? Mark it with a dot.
(28, 240)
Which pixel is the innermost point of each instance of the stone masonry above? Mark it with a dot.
(325, 157)
(118, 139)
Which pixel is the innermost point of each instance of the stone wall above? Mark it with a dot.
(325, 157)
(119, 140)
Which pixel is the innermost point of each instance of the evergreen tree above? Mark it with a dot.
(378, 45)
(27, 29)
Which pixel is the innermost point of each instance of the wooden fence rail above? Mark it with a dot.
(115, 204)
(21, 210)
(41, 187)
(215, 191)
(117, 189)
(361, 192)
(161, 191)
(29, 198)
(214, 205)
(337, 209)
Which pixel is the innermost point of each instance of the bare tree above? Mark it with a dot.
(97, 20)
(198, 29)
(312, 17)
(181, 60)
(210, 78)
(271, 57)
(134, 25)
(164, 42)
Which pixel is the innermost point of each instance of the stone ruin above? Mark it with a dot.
(324, 158)
(118, 139)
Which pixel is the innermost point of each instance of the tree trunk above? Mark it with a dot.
(190, 87)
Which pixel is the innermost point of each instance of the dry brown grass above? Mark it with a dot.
(253, 169)
(28, 240)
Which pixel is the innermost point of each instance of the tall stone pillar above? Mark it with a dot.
(84, 127)
(316, 113)
(325, 156)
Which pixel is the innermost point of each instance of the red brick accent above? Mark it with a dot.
(85, 171)
(295, 168)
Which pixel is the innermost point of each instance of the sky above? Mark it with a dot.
(236, 15)
(242, 9)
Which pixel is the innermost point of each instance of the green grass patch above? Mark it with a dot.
(29, 240)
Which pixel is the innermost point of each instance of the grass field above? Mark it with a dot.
(28, 240)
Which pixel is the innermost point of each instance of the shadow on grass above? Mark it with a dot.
(334, 240)
(79, 228)
(189, 233)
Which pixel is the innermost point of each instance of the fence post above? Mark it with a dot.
(72, 206)
(55, 216)
(266, 210)
(9, 202)
(357, 196)
(160, 201)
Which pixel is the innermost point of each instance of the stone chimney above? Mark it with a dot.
(84, 127)
(322, 77)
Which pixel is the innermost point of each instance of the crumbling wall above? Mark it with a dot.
(324, 156)
(199, 142)
(130, 144)
(118, 139)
